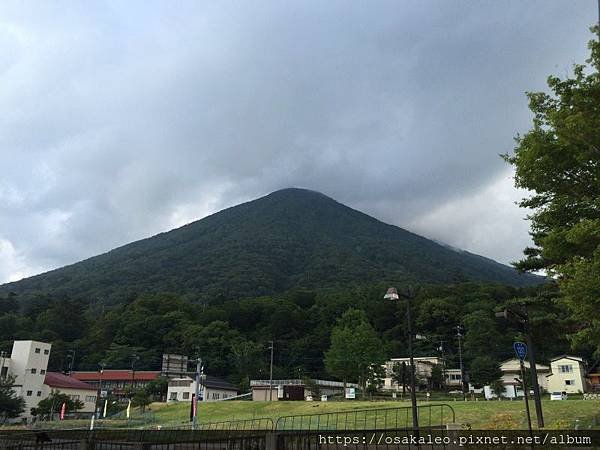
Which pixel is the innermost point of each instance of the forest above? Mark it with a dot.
(232, 337)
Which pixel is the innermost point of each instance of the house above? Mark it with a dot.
(568, 375)
(117, 382)
(211, 389)
(594, 377)
(28, 363)
(511, 370)
(453, 378)
(423, 367)
(295, 389)
(75, 389)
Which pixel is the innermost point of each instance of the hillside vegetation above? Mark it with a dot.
(292, 238)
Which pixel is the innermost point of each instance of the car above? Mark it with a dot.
(558, 396)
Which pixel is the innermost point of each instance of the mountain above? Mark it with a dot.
(289, 238)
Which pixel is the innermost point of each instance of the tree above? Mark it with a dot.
(355, 347)
(498, 387)
(484, 371)
(53, 404)
(11, 405)
(558, 160)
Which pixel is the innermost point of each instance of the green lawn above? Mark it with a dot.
(478, 414)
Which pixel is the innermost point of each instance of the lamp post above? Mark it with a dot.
(392, 293)
(523, 318)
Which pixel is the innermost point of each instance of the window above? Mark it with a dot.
(173, 396)
(570, 382)
(566, 368)
(186, 395)
(74, 397)
(33, 370)
(29, 393)
(37, 350)
(46, 351)
(39, 393)
(216, 395)
(90, 398)
(42, 371)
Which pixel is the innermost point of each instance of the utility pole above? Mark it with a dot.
(195, 400)
(271, 374)
(459, 335)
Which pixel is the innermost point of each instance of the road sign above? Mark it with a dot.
(520, 350)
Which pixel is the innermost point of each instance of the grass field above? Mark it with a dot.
(484, 415)
(479, 415)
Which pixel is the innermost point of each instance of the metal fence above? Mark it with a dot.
(430, 417)
(367, 427)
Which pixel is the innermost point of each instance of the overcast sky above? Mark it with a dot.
(122, 119)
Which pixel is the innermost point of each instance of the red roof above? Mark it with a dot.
(117, 375)
(59, 380)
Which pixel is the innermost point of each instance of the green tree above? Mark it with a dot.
(558, 161)
(11, 405)
(483, 371)
(355, 348)
(53, 403)
(400, 375)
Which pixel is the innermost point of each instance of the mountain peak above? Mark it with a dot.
(291, 238)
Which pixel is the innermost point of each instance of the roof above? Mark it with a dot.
(117, 375)
(210, 382)
(574, 358)
(59, 380)
(514, 365)
(217, 383)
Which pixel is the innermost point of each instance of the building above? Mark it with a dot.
(117, 382)
(295, 389)
(594, 377)
(75, 389)
(423, 367)
(511, 372)
(453, 379)
(211, 389)
(28, 363)
(568, 375)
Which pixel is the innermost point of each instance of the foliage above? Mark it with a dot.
(483, 371)
(292, 239)
(355, 348)
(498, 387)
(558, 160)
(53, 403)
(11, 405)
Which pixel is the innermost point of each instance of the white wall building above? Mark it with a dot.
(211, 389)
(568, 375)
(75, 389)
(28, 364)
(423, 368)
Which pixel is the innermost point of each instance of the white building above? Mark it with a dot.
(28, 363)
(295, 389)
(211, 389)
(511, 372)
(75, 389)
(568, 375)
(423, 368)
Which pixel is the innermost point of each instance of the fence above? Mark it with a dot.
(302, 432)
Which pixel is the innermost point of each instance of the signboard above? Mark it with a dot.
(351, 393)
(520, 350)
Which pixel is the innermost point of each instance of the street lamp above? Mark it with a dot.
(392, 294)
(523, 318)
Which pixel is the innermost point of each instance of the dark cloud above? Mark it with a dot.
(123, 119)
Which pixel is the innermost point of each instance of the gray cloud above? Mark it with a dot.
(123, 119)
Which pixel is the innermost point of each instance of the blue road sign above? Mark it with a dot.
(520, 350)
